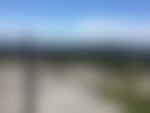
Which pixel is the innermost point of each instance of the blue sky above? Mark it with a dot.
(76, 18)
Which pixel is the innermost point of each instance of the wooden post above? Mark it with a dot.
(29, 58)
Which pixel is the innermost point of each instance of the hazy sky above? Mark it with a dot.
(76, 20)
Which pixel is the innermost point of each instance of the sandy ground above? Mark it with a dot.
(68, 90)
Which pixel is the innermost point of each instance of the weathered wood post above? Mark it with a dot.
(29, 58)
